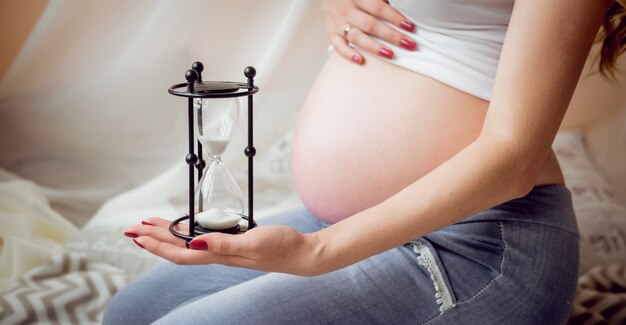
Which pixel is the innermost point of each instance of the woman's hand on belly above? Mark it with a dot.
(356, 20)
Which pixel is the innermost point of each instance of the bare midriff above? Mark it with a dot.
(366, 132)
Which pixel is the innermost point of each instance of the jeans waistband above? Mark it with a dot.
(550, 205)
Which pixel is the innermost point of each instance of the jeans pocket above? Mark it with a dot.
(470, 256)
(427, 258)
(462, 259)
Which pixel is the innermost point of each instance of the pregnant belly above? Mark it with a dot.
(366, 132)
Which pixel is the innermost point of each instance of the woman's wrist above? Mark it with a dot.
(315, 262)
(336, 247)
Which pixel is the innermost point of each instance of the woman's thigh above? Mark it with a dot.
(388, 288)
(516, 263)
(167, 286)
(408, 284)
(499, 267)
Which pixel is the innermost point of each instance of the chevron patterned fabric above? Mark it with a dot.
(601, 296)
(69, 289)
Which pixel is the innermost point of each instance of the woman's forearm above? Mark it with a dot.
(488, 172)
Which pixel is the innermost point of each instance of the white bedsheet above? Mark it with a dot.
(30, 231)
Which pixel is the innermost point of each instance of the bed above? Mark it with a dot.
(79, 165)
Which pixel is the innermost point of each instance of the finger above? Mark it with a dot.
(340, 45)
(160, 233)
(223, 244)
(183, 228)
(364, 41)
(155, 221)
(375, 27)
(183, 256)
(384, 11)
(174, 253)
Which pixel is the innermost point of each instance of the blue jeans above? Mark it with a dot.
(516, 263)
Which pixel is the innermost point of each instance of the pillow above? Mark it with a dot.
(601, 216)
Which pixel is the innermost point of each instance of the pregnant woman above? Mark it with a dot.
(423, 159)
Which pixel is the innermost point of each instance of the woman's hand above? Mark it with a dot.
(265, 248)
(356, 20)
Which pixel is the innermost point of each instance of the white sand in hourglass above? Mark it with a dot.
(217, 219)
(215, 144)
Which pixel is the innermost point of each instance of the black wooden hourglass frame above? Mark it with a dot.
(196, 88)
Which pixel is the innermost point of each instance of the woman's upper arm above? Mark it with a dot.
(545, 49)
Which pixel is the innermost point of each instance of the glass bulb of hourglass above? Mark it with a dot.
(219, 200)
(217, 121)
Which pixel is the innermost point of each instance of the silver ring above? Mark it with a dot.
(347, 30)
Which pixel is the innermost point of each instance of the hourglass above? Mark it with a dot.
(219, 201)
(216, 204)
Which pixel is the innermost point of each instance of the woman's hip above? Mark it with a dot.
(521, 256)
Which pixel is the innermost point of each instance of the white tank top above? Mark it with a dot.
(458, 41)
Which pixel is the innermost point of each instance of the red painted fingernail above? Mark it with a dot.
(408, 44)
(146, 223)
(138, 244)
(386, 52)
(131, 234)
(199, 245)
(356, 59)
(407, 25)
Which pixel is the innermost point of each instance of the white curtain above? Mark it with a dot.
(84, 109)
